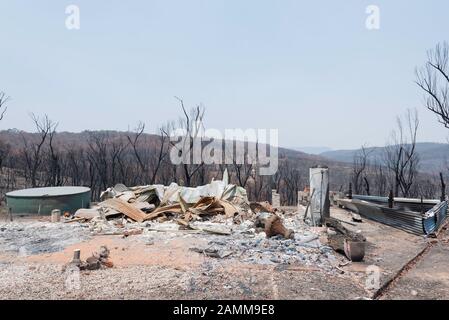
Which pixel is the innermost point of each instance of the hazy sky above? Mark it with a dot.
(309, 68)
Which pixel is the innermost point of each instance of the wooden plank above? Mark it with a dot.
(127, 209)
(74, 220)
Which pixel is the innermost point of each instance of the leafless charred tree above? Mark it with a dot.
(54, 172)
(359, 166)
(191, 124)
(380, 178)
(168, 172)
(117, 166)
(433, 79)
(98, 157)
(76, 168)
(443, 194)
(157, 160)
(259, 186)
(277, 178)
(4, 148)
(290, 182)
(7, 180)
(33, 150)
(366, 185)
(3, 100)
(140, 153)
(243, 171)
(401, 157)
(149, 158)
(426, 186)
(106, 160)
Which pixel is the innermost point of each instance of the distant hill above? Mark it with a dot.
(433, 156)
(312, 150)
(302, 161)
(86, 157)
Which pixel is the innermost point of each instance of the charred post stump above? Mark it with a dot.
(76, 257)
(443, 188)
(345, 241)
(390, 199)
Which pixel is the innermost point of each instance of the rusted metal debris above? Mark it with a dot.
(275, 227)
(345, 241)
(354, 250)
(272, 225)
(190, 204)
(96, 261)
(265, 206)
(417, 216)
(125, 208)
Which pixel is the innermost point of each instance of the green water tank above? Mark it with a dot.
(43, 200)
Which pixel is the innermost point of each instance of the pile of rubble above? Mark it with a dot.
(124, 210)
(96, 261)
(251, 246)
(218, 214)
(161, 203)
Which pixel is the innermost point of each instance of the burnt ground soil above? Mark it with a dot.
(167, 269)
(427, 278)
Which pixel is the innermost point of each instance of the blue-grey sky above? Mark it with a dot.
(310, 68)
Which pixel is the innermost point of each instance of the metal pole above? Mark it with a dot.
(308, 205)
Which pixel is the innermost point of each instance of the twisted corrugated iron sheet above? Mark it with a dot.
(422, 217)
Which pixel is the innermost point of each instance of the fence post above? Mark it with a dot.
(350, 191)
(443, 188)
(390, 199)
